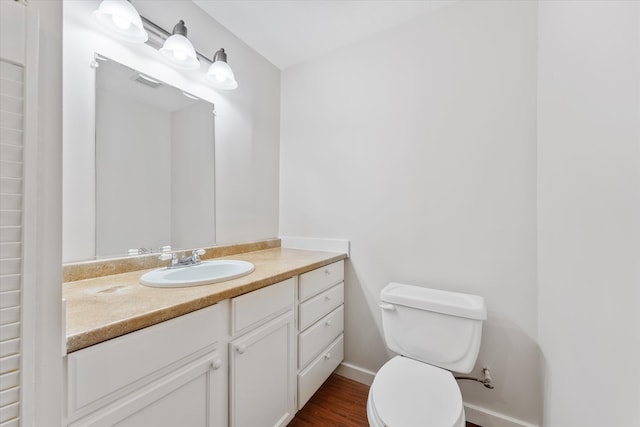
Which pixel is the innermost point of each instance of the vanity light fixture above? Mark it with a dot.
(220, 73)
(122, 20)
(178, 50)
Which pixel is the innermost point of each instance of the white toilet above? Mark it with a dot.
(434, 332)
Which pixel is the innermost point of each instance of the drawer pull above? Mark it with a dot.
(328, 322)
(327, 356)
(241, 348)
(327, 271)
(216, 364)
(328, 297)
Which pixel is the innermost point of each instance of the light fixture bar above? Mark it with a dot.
(157, 36)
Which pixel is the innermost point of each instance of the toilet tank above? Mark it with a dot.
(437, 327)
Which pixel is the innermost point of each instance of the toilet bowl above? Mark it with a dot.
(434, 332)
(408, 393)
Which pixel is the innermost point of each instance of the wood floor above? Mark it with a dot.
(340, 402)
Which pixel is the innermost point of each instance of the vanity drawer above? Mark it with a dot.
(320, 279)
(320, 335)
(106, 368)
(310, 379)
(320, 305)
(252, 309)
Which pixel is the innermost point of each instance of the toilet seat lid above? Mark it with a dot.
(406, 392)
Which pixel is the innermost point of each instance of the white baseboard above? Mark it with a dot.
(356, 373)
(315, 244)
(475, 414)
(487, 418)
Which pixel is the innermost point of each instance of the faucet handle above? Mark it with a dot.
(169, 256)
(165, 257)
(195, 255)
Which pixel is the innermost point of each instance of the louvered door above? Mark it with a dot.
(11, 207)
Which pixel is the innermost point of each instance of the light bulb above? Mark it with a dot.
(121, 22)
(180, 55)
(120, 19)
(220, 73)
(178, 50)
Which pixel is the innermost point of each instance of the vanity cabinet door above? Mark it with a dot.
(262, 382)
(101, 374)
(182, 398)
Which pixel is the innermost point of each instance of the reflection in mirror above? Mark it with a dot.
(154, 164)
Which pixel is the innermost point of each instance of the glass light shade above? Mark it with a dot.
(221, 76)
(121, 20)
(179, 51)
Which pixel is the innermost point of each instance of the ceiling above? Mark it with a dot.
(288, 32)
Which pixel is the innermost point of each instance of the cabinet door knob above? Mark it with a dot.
(216, 364)
(327, 356)
(241, 348)
(328, 322)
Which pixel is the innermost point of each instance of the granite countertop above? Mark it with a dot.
(102, 308)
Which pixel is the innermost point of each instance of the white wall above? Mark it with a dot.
(419, 146)
(589, 212)
(247, 125)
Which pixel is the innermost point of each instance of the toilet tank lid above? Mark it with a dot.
(446, 302)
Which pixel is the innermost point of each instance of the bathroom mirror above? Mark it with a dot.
(154, 164)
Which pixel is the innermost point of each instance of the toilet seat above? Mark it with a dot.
(408, 393)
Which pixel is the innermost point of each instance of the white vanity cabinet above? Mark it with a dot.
(262, 363)
(168, 374)
(249, 361)
(320, 326)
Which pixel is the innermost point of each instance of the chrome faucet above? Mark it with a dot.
(183, 260)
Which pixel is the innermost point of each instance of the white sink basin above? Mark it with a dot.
(204, 273)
